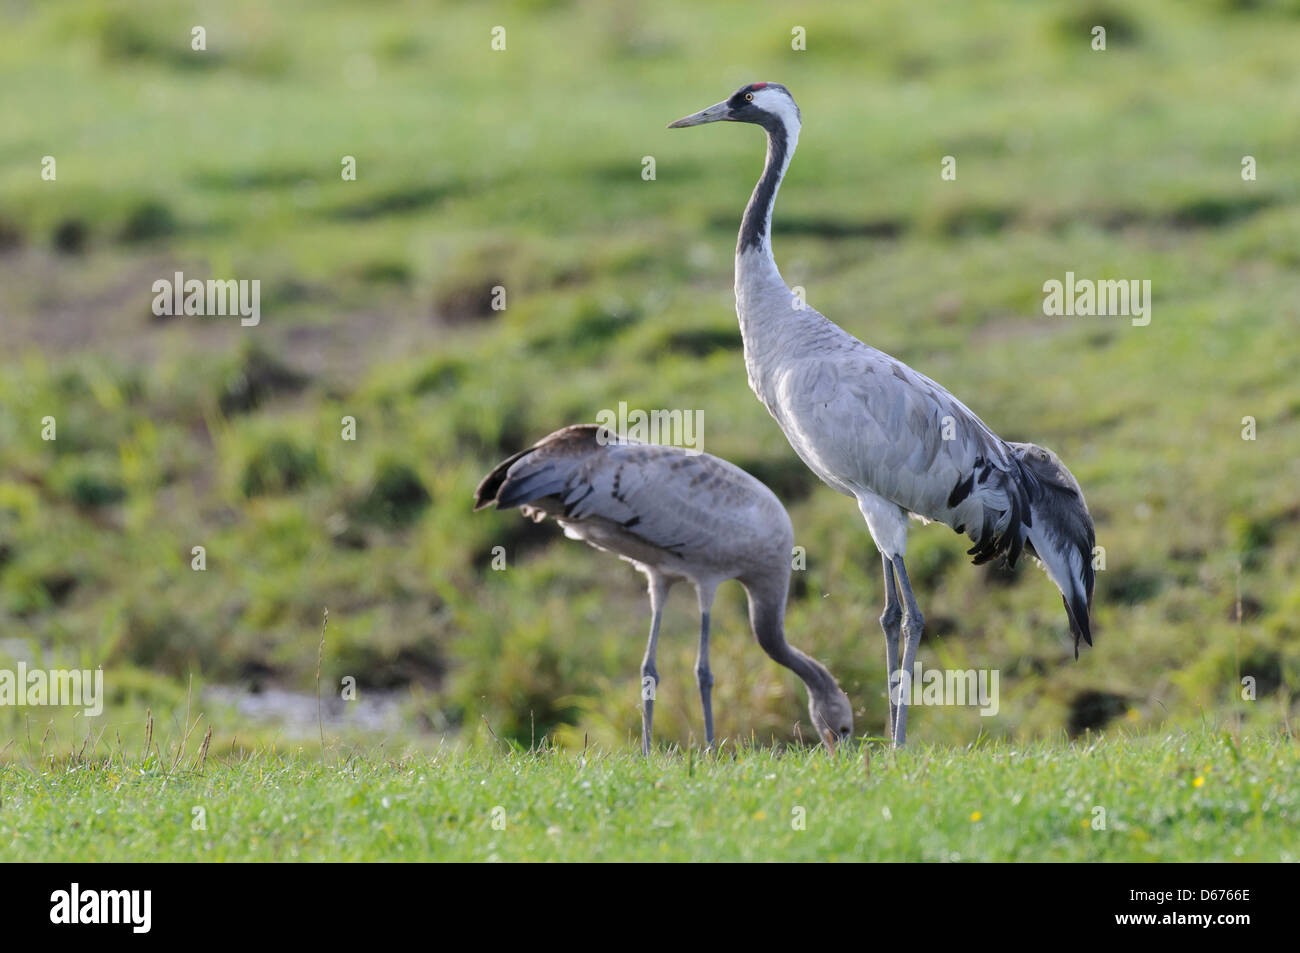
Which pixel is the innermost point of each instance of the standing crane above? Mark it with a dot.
(891, 438)
(674, 514)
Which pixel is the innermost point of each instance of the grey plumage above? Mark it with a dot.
(875, 429)
(675, 515)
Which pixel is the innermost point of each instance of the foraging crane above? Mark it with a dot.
(874, 429)
(674, 515)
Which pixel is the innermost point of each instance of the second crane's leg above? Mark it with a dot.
(704, 678)
(649, 674)
(912, 625)
(703, 675)
(890, 621)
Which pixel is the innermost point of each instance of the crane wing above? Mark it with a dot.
(903, 437)
(672, 499)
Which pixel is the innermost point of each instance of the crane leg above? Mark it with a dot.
(704, 678)
(890, 621)
(913, 622)
(649, 674)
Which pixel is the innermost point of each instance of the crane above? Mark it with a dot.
(874, 429)
(675, 515)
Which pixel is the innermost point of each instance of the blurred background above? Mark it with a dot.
(523, 168)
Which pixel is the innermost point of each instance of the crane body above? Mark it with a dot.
(675, 515)
(874, 429)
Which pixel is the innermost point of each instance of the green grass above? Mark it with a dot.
(524, 168)
(1187, 796)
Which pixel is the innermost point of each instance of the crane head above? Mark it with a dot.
(832, 715)
(769, 105)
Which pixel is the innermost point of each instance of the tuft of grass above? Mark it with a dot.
(279, 465)
(396, 497)
(148, 220)
(255, 378)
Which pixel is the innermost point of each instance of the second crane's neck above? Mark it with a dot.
(767, 619)
(755, 265)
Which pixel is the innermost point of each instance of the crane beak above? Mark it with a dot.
(828, 737)
(712, 114)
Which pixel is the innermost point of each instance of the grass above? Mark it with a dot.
(478, 168)
(1197, 795)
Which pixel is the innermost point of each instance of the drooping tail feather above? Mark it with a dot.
(543, 469)
(490, 485)
(522, 479)
(1061, 534)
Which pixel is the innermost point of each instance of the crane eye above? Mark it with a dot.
(749, 97)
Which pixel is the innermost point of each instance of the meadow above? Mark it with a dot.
(1199, 795)
(522, 169)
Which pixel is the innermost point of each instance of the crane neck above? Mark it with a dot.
(767, 618)
(754, 245)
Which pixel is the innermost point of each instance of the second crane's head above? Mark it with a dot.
(769, 105)
(831, 711)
